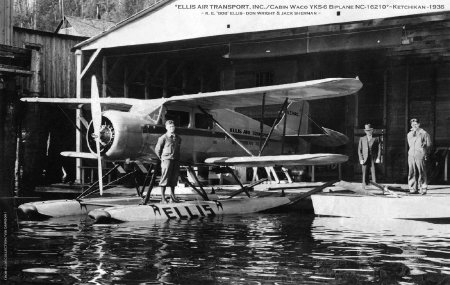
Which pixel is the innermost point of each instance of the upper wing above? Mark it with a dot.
(284, 160)
(276, 94)
(123, 104)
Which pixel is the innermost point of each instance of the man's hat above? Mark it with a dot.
(368, 127)
(414, 120)
(169, 122)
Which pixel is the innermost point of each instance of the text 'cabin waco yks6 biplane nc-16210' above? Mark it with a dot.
(213, 134)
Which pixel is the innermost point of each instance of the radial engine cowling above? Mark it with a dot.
(120, 135)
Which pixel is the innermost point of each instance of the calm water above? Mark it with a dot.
(251, 249)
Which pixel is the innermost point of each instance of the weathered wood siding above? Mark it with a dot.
(58, 62)
(58, 77)
(6, 20)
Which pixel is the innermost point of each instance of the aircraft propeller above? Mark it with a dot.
(96, 111)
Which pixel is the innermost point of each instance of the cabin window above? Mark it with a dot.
(180, 118)
(203, 121)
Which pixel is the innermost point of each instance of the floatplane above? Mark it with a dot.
(213, 134)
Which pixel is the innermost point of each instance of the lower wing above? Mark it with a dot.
(284, 160)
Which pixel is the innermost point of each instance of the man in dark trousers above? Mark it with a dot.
(369, 152)
(419, 149)
(168, 150)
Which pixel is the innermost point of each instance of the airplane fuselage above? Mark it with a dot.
(135, 137)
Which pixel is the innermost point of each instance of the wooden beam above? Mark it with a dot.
(125, 81)
(79, 91)
(164, 95)
(91, 61)
(104, 76)
(146, 86)
(433, 100)
(15, 71)
(407, 108)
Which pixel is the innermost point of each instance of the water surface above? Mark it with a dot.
(249, 249)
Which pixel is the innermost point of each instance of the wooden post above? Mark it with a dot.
(79, 91)
(35, 68)
(433, 102)
(125, 81)
(184, 80)
(104, 75)
(406, 114)
(164, 91)
(147, 83)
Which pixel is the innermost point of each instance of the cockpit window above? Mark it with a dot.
(180, 118)
(202, 121)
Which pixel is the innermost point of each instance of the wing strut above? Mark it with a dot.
(225, 131)
(261, 124)
(150, 186)
(282, 110)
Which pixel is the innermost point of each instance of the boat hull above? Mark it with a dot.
(186, 210)
(414, 207)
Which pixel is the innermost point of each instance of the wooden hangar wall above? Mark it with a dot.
(402, 62)
(46, 129)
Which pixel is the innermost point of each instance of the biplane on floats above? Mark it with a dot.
(213, 134)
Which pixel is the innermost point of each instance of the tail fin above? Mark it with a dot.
(296, 119)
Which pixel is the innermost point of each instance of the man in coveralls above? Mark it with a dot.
(168, 150)
(369, 152)
(419, 148)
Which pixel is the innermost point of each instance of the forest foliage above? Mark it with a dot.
(47, 14)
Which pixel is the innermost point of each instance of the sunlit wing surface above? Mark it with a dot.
(276, 94)
(308, 90)
(329, 138)
(123, 104)
(283, 160)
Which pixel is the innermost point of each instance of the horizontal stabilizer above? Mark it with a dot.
(74, 154)
(284, 160)
(329, 138)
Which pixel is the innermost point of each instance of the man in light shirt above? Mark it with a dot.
(419, 143)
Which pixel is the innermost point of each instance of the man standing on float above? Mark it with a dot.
(168, 150)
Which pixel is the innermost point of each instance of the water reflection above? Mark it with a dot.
(250, 249)
(388, 250)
